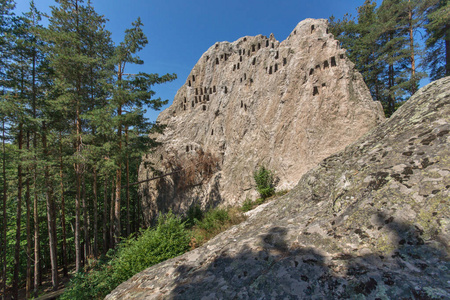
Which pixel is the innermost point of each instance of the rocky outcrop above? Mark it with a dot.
(371, 222)
(255, 102)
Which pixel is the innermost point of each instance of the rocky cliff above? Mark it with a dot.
(255, 102)
(371, 222)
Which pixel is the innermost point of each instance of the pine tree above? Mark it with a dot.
(392, 52)
(6, 16)
(16, 82)
(33, 18)
(437, 18)
(75, 34)
(381, 44)
(359, 36)
(131, 93)
(369, 63)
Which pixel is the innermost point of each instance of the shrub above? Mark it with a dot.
(193, 215)
(214, 222)
(167, 240)
(247, 205)
(264, 179)
(213, 219)
(281, 193)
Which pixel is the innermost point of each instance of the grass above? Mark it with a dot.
(248, 204)
(214, 222)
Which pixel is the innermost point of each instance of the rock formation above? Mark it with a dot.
(255, 102)
(370, 222)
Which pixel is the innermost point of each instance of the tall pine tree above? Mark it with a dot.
(131, 94)
(437, 18)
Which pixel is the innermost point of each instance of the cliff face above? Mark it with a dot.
(370, 222)
(255, 102)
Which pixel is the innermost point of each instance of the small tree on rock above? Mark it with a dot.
(264, 179)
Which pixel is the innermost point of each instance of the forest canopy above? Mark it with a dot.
(395, 44)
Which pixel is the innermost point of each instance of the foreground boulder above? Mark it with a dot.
(371, 222)
(256, 102)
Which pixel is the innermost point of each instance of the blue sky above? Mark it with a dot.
(180, 31)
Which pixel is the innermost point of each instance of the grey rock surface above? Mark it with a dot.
(370, 222)
(256, 102)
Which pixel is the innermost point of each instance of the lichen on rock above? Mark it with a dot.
(370, 222)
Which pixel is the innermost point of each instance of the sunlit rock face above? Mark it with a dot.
(256, 102)
(370, 222)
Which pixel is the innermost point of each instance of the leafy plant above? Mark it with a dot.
(214, 222)
(193, 215)
(247, 205)
(167, 240)
(264, 179)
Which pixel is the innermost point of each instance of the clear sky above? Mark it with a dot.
(180, 31)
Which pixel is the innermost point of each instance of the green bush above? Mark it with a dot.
(213, 219)
(193, 215)
(264, 179)
(167, 240)
(247, 205)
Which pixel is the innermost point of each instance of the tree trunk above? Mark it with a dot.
(447, 52)
(111, 218)
(413, 88)
(95, 246)
(15, 283)
(37, 248)
(63, 210)
(85, 222)
(50, 215)
(117, 229)
(391, 83)
(77, 221)
(105, 216)
(391, 100)
(5, 224)
(29, 240)
(127, 188)
(37, 245)
(78, 166)
(138, 214)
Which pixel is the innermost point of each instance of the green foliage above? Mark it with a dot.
(437, 20)
(380, 40)
(247, 205)
(213, 219)
(264, 179)
(168, 239)
(193, 215)
(213, 222)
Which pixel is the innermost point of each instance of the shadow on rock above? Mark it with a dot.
(273, 269)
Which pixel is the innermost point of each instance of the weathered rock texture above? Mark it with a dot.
(255, 102)
(371, 222)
